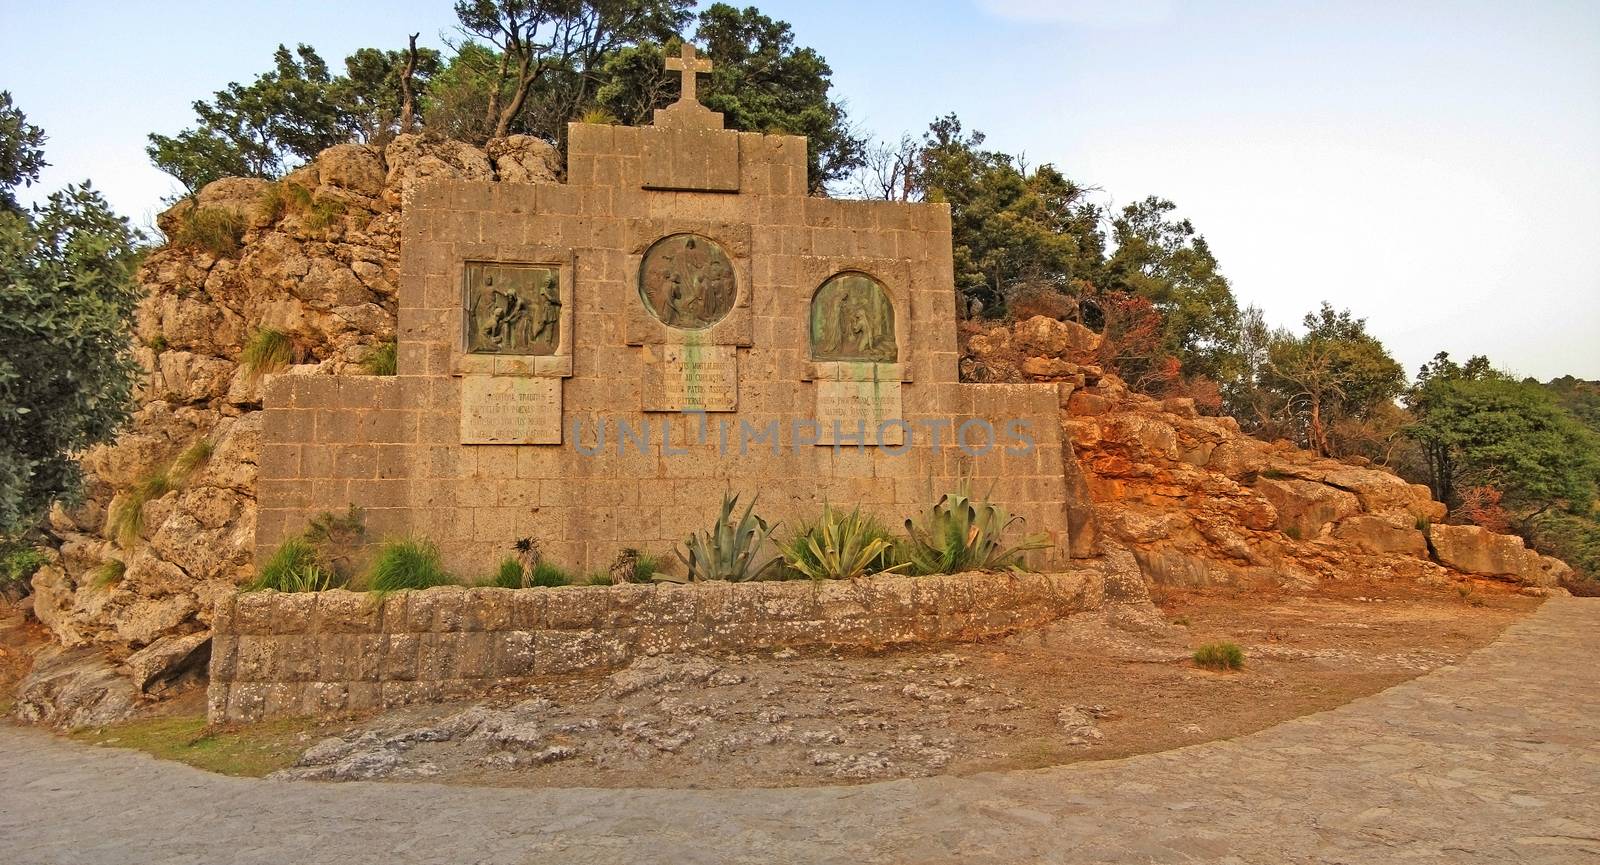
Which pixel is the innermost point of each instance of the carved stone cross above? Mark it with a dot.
(689, 64)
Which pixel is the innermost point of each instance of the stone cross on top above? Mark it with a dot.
(690, 64)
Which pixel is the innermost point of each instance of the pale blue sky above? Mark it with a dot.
(1434, 166)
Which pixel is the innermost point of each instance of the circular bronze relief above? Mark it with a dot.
(686, 281)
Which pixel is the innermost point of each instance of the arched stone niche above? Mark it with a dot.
(853, 319)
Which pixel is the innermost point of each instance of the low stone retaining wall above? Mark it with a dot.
(329, 652)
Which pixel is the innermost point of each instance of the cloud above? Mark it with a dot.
(1089, 13)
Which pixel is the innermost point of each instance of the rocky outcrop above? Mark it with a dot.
(317, 260)
(1198, 502)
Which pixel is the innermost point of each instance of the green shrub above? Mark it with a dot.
(284, 198)
(407, 563)
(381, 360)
(729, 550)
(267, 351)
(18, 563)
(110, 573)
(842, 546)
(125, 519)
(645, 568)
(158, 343)
(337, 538)
(960, 534)
(1219, 656)
(599, 578)
(216, 230)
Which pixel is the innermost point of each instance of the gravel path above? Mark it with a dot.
(1495, 760)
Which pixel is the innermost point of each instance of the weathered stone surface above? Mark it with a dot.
(1383, 534)
(1306, 508)
(1476, 550)
(168, 658)
(1047, 336)
(274, 655)
(524, 159)
(74, 688)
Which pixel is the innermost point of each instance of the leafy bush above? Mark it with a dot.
(381, 360)
(267, 351)
(1219, 656)
(407, 563)
(216, 230)
(729, 550)
(337, 538)
(960, 534)
(842, 546)
(18, 563)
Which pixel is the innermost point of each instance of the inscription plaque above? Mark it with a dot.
(699, 377)
(510, 410)
(687, 281)
(859, 408)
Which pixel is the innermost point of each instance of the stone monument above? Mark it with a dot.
(592, 363)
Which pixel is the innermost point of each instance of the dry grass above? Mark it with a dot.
(216, 230)
(252, 751)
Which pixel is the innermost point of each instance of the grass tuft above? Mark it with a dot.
(407, 563)
(509, 576)
(192, 458)
(125, 521)
(1219, 656)
(294, 567)
(267, 351)
(110, 573)
(381, 360)
(548, 575)
(216, 230)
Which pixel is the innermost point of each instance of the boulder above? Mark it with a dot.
(71, 688)
(524, 159)
(1374, 533)
(168, 658)
(1476, 550)
(1049, 337)
(1306, 508)
(413, 158)
(354, 167)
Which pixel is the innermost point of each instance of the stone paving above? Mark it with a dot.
(1494, 760)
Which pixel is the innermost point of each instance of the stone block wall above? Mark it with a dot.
(394, 446)
(322, 653)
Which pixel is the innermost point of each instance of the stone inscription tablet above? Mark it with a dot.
(858, 406)
(691, 377)
(510, 410)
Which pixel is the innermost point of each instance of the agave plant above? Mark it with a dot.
(841, 546)
(728, 551)
(960, 534)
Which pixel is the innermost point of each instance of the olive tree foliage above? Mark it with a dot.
(1334, 373)
(21, 153)
(294, 111)
(66, 295)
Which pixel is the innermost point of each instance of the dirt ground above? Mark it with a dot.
(1097, 686)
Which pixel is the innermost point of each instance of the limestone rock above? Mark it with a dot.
(355, 167)
(167, 658)
(1052, 338)
(1306, 508)
(1476, 550)
(73, 688)
(414, 158)
(1374, 533)
(524, 159)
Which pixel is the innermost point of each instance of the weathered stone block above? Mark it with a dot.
(487, 609)
(570, 608)
(399, 661)
(513, 655)
(344, 612)
(556, 652)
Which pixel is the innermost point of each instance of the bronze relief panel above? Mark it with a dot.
(852, 319)
(687, 281)
(512, 308)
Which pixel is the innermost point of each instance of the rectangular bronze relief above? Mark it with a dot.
(512, 308)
